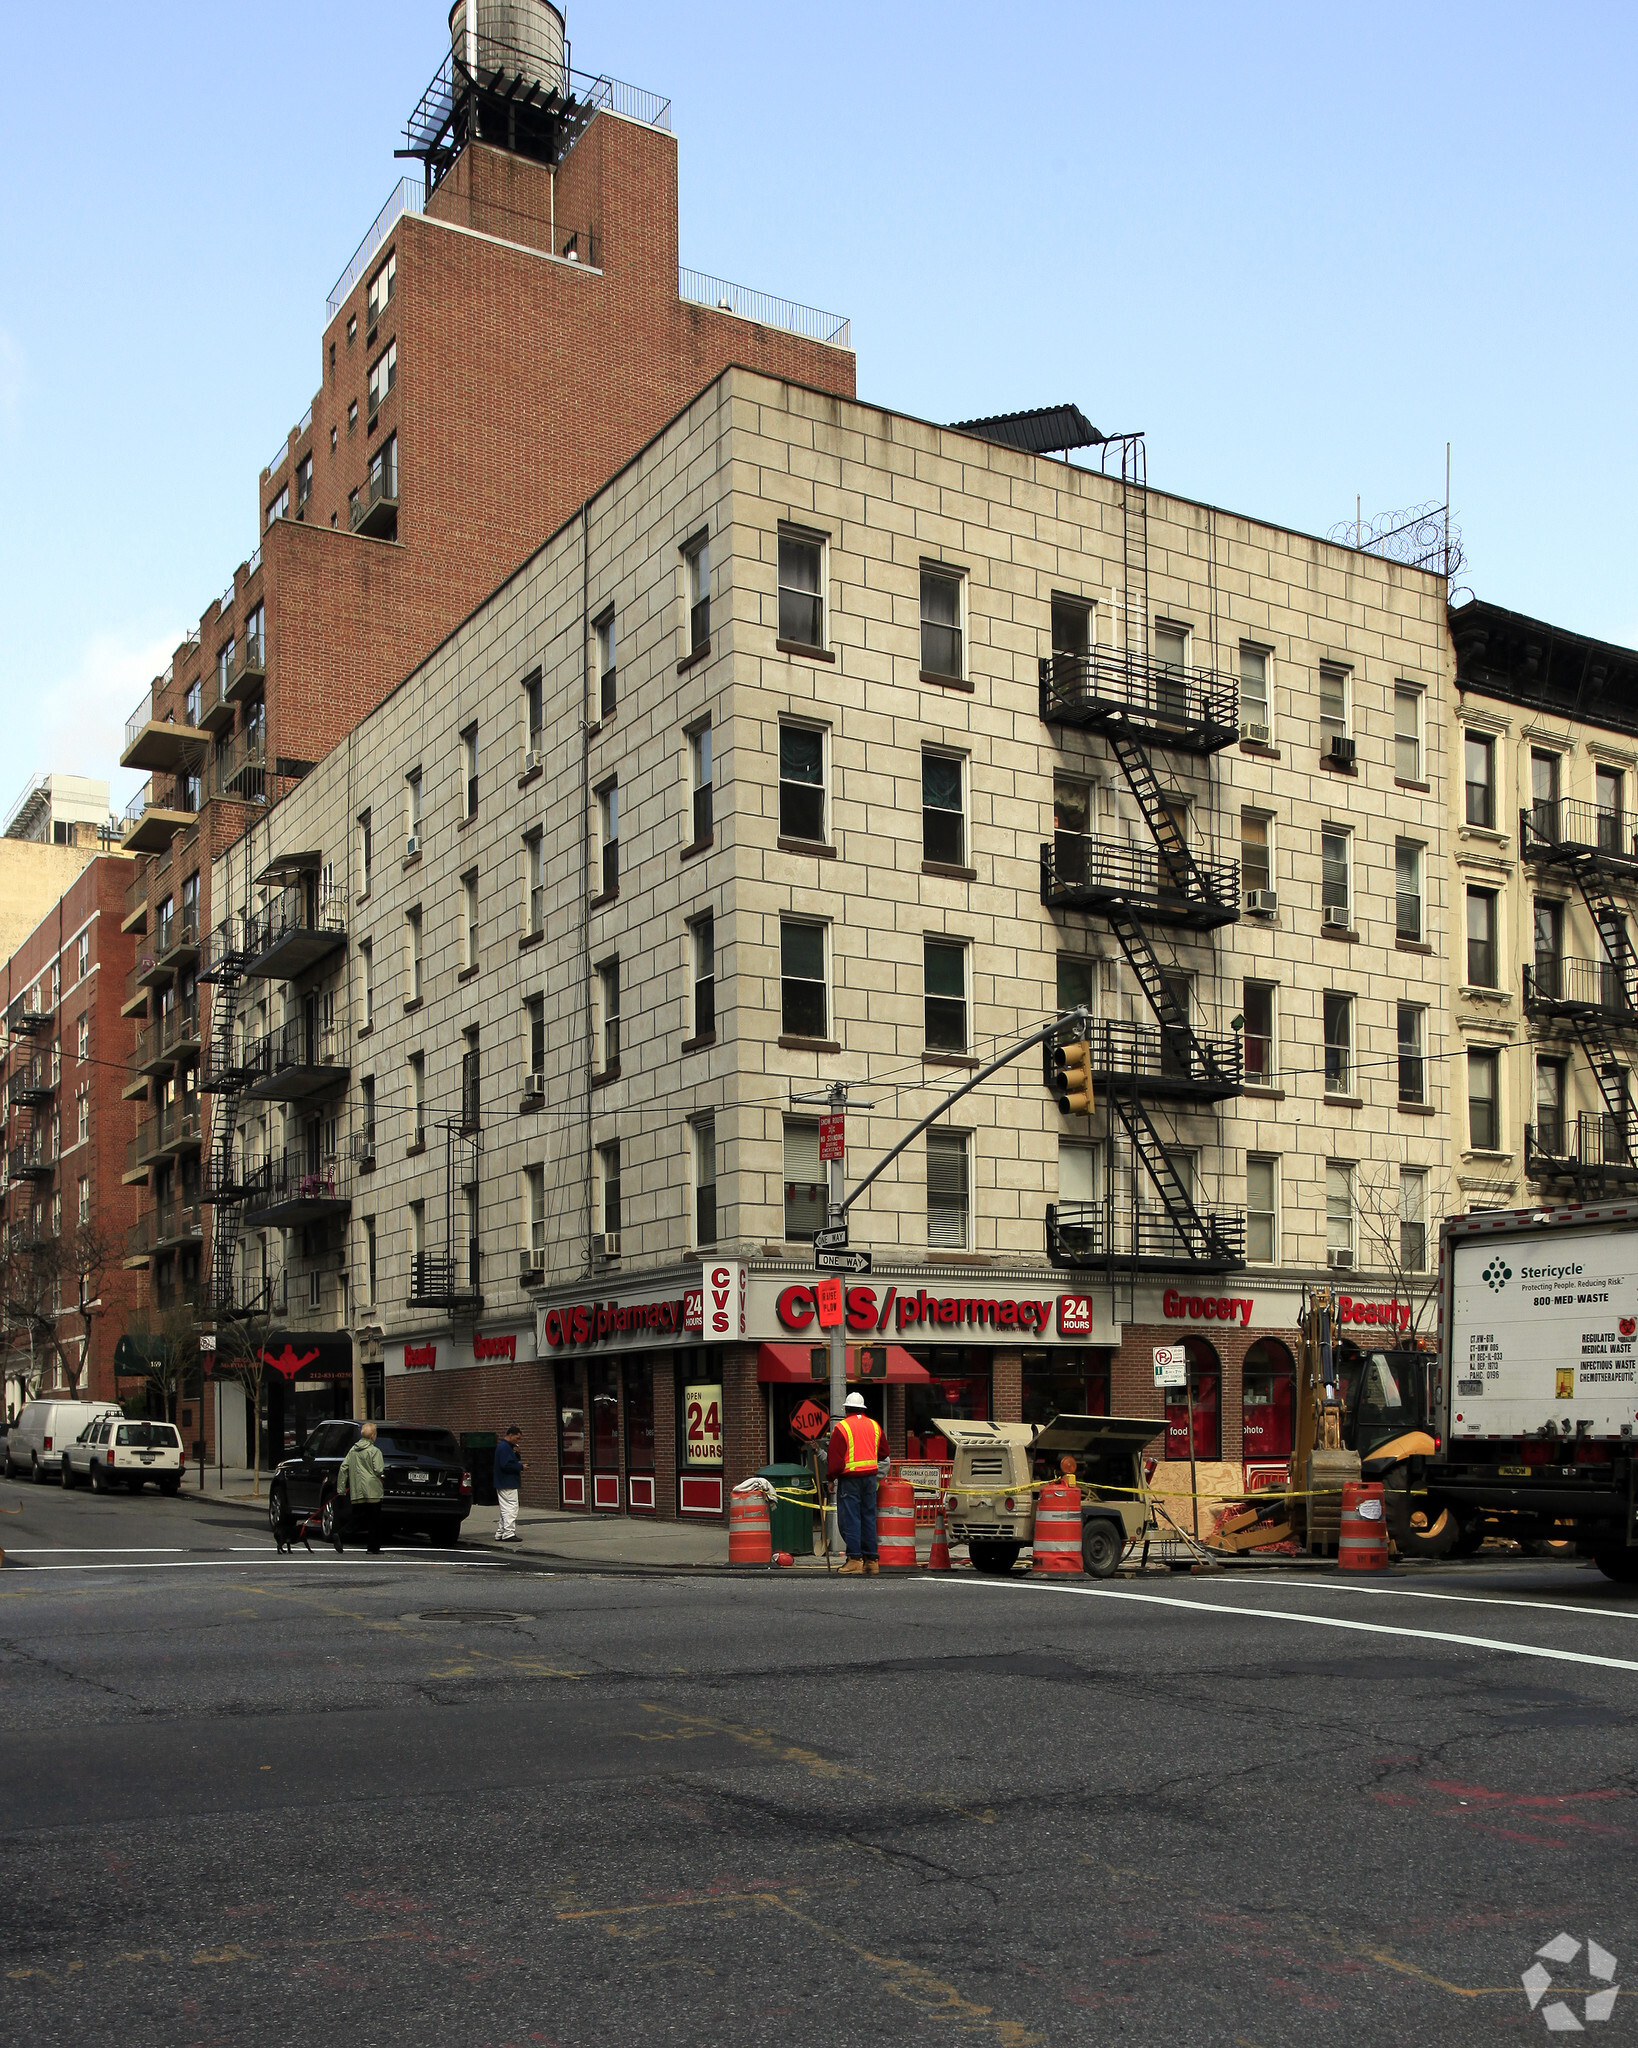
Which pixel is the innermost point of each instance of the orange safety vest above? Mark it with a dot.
(864, 1440)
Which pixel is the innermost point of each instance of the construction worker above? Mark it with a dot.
(858, 1449)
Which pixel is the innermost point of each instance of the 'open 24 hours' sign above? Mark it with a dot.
(702, 1424)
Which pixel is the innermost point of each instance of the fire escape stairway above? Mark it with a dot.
(1196, 1240)
(1198, 1060)
(1180, 871)
(225, 1080)
(1594, 1033)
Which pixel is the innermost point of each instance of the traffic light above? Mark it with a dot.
(1070, 1078)
(872, 1361)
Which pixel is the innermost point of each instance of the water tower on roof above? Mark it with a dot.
(506, 82)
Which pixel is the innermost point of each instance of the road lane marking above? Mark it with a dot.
(97, 1550)
(1369, 1628)
(202, 1564)
(1467, 1599)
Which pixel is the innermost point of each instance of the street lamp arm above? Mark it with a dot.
(1076, 1020)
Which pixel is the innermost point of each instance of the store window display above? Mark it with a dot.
(1269, 1383)
(1205, 1384)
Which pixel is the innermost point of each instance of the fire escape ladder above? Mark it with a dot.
(1611, 923)
(1194, 1235)
(1179, 868)
(228, 1170)
(1134, 498)
(1198, 1060)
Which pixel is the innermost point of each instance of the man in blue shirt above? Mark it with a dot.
(508, 1471)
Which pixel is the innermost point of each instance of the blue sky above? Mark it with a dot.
(1301, 246)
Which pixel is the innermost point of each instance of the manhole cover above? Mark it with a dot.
(493, 1616)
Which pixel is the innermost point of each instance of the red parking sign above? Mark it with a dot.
(828, 1295)
(832, 1137)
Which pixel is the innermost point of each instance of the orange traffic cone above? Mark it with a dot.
(938, 1558)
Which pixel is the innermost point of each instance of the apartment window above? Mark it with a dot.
(1339, 1213)
(412, 940)
(192, 704)
(697, 579)
(315, 1289)
(1257, 1007)
(607, 668)
(384, 471)
(1339, 1044)
(1609, 800)
(702, 935)
(280, 507)
(1171, 647)
(352, 421)
(804, 1181)
(1256, 854)
(365, 853)
(1407, 733)
(383, 376)
(1336, 894)
(534, 1218)
(83, 1123)
(944, 983)
(85, 1200)
(82, 953)
(534, 920)
(947, 1191)
(608, 1013)
(333, 436)
(1263, 1211)
(418, 1232)
(941, 638)
(366, 1115)
(369, 1259)
(699, 767)
(608, 829)
(532, 713)
(801, 783)
(1407, 865)
(536, 1010)
(705, 1180)
(418, 1098)
(412, 809)
(1071, 633)
(1413, 1083)
(1074, 982)
(469, 905)
(608, 1177)
(1550, 1132)
(304, 483)
(352, 329)
(83, 1031)
(1481, 938)
(801, 590)
(1544, 794)
(803, 1009)
(366, 975)
(1255, 721)
(1483, 1101)
(1479, 756)
(474, 1244)
(469, 772)
(1549, 949)
(1333, 706)
(379, 295)
(943, 813)
(1413, 1220)
(1078, 1194)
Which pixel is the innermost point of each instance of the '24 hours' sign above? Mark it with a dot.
(702, 1424)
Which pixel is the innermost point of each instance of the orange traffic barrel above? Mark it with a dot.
(750, 1535)
(896, 1525)
(1362, 1542)
(1058, 1528)
(938, 1558)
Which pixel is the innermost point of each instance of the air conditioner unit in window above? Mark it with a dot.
(1261, 902)
(1341, 750)
(606, 1245)
(1251, 730)
(1335, 920)
(534, 1087)
(531, 761)
(412, 846)
(420, 1137)
(531, 1268)
(1342, 1260)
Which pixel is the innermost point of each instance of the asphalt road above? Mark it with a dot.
(247, 1800)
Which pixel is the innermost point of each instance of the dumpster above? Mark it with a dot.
(793, 1523)
(478, 1456)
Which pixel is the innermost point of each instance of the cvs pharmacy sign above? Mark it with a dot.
(722, 1284)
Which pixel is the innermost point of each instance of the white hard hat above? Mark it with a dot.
(855, 1401)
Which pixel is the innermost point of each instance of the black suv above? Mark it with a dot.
(426, 1484)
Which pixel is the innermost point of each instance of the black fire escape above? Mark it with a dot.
(1593, 1153)
(229, 1178)
(29, 1155)
(452, 1279)
(1137, 704)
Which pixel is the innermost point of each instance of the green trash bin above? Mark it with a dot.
(792, 1523)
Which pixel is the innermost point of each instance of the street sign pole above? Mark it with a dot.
(837, 1219)
(1194, 1484)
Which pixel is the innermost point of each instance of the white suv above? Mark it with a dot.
(113, 1453)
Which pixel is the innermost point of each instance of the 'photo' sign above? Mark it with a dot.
(723, 1286)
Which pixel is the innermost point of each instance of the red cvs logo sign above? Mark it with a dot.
(723, 1287)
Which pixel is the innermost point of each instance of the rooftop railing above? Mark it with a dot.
(700, 290)
(406, 197)
(139, 717)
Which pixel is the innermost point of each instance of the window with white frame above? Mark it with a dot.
(1412, 1036)
(703, 955)
(418, 1098)
(534, 1214)
(1071, 634)
(942, 639)
(82, 956)
(804, 1008)
(943, 809)
(534, 885)
(802, 783)
(366, 852)
(1407, 733)
(1256, 722)
(279, 508)
(469, 922)
(382, 286)
(469, 772)
(366, 1116)
(804, 1180)
(699, 776)
(944, 994)
(1333, 705)
(1483, 1099)
(608, 1014)
(83, 1036)
(82, 1128)
(369, 1259)
(412, 809)
(412, 963)
(418, 1231)
(1413, 1219)
(1263, 1211)
(534, 739)
(366, 978)
(1481, 939)
(608, 832)
(1479, 770)
(608, 676)
(704, 1132)
(1339, 1044)
(1339, 1212)
(947, 1191)
(608, 1188)
(383, 377)
(1407, 864)
(1256, 851)
(1262, 1064)
(535, 1015)
(1336, 880)
(801, 589)
(697, 591)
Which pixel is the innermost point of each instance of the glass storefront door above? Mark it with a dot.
(571, 1436)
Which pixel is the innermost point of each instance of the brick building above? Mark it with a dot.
(829, 743)
(68, 1212)
(512, 328)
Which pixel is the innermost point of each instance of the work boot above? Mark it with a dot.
(855, 1568)
(872, 1567)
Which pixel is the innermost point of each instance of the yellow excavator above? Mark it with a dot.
(1361, 1413)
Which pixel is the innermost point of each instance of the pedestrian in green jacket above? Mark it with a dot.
(360, 1483)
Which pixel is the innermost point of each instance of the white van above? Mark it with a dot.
(44, 1431)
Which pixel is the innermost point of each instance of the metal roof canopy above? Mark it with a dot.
(1046, 430)
(290, 867)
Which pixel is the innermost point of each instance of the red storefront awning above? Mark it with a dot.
(786, 1364)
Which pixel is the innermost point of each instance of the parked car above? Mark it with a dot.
(427, 1488)
(111, 1453)
(44, 1430)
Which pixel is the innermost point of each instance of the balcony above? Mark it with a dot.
(176, 940)
(33, 1084)
(1120, 1238)
(25, 1019)
(248, 677)
(1574, 831)
(150, 1055)
(231, 1176)
(1569, 989)
(1172, 1064)
(179, 1029)
(1080, 872)
(136, 907)
(298, 1187)
(181, 1297)
(154, 816)
(31, 1162)
(179, 1127)
(216, 714)
(141, 1152)
(301, 1060)
(238, 769)
(297, 930)
(150, 970)
(135, 1001)
(28, 1234)
(177, 1223)
(1195, 710)
(375, 509)
(438, 1281)
(139, 1242)
(159, 745)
